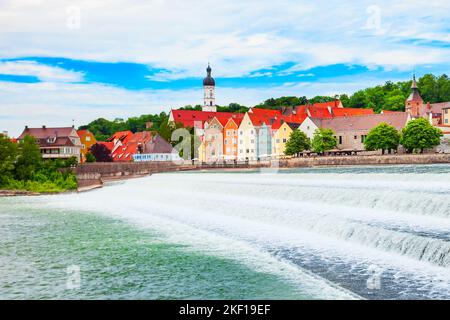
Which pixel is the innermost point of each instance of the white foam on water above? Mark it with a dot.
(248, 217)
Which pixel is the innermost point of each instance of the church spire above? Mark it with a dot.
(414, 83)
(414, 103)
(209, 97)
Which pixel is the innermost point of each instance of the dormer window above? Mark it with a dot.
(51, 139)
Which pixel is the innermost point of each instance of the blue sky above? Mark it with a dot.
(64, 62)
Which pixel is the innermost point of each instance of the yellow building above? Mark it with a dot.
(87, 140)
(280, 137)
(202, 152)
(446, 116)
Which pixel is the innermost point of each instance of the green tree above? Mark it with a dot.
(358, 100)
(428, 88)
(8, 155)
(297, 142)
(90, 157)
(323, 140)
(384, 137)
(29, 160)
(420, 134)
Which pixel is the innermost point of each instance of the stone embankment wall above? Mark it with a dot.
(366, 160)
(92, 175)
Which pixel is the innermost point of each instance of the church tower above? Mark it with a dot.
(414, 103)
(209, 98)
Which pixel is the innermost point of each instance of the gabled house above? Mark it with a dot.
(281, 136)
(255, 133)
(230, 139)
(213, 139)
(55, 143)
(350, 132)
(154, 149)
(87, 141)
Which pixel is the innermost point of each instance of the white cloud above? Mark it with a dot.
(42, 72)
(238, 37)
(56, 104)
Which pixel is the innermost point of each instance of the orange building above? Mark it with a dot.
(87, 140)
(230, 137)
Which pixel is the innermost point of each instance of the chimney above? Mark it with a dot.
(428, 105)
(330, 110)
(43, 127)
(26, 127)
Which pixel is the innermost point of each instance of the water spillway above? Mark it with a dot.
(365, 232)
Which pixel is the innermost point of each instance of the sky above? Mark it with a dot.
(70, 62)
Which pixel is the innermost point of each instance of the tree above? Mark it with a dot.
(358, 100)
(298, 142)
(101, 153)
(384, 137)
(29, 160)
(420, 134)
(323, 140)
(8, 155)
(90, 157)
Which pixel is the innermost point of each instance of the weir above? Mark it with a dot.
(93, 175)
(328, 231)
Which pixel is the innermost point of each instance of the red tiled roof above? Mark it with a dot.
(82, 132)
(438, 107)
(130, 145)
(122, 136)
(190, 118)
(342, 112)
(109, 145)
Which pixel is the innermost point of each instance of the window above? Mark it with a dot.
(88, 138)
(241, 133)
(252, 141)
(340, 139)
(247, 151)
(225, 141)
(241, 151)
(284, 140)
(241, 142)
(355, 137)
(446, 121)
(278, 140)
(363, 138)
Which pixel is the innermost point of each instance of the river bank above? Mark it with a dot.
(95, 175)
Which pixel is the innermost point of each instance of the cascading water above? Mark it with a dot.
(372, 232)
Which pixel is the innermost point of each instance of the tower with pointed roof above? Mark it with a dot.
(414, 103)
(209, 95)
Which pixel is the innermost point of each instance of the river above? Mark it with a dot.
(324, 233)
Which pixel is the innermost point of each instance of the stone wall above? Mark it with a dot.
(366, 160)
(92, 175)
